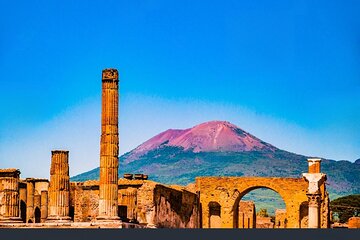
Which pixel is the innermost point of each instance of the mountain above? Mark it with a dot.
(219, 148)
(214, 136)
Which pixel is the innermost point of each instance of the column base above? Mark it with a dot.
(10, 220)
(57, 219)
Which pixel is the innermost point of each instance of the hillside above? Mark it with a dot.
(222, 149)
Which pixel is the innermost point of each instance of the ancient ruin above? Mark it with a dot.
(9, 195)
(226, 192)
(136, 201)
(109, 147)
(59, 188)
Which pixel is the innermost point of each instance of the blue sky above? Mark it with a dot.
(285, 71)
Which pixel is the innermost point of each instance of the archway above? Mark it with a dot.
(214, 215)
(23, 210)
(259, 207)
(37, 215)
(227, 192)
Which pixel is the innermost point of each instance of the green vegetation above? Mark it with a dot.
(262, 213)
(345, 207)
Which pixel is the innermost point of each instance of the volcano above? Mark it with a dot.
(214, 136)
(219, 148)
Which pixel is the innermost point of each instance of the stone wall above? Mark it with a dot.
(354, 222)
(264, 222)
(84, 200)
(280, 218)
(143, 201)
(161, 206)
(246, 215)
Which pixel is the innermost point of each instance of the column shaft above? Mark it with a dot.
(314, 210)
(109, 147)
(9, 195)
(44, 205)
(59, 188)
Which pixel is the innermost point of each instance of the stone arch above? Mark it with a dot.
(291, 190)
(214, 214)
(235, 199)
(37, 215)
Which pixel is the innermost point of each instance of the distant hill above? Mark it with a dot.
(219, 148)
(346, 207)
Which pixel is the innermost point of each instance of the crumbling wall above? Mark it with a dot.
(246, 214)
(280, 218)
(165, 207)
(85, 199)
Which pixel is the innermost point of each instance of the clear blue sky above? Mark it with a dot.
(286, 71)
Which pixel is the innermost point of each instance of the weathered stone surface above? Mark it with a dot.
(354, 222)
(161, 206)
(109, 147)
(44, 205)
(59, 187)
(226, 191)
(9, 195)
(246, 215)
(280, 218)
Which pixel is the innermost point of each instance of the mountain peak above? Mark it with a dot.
(217, 136)
(212, 136)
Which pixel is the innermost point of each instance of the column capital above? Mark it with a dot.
(314, 199)
(110, 74)
(315, 180)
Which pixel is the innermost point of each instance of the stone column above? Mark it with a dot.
(315, 179)
(59, 187)
(44, 205)
(9, 195)
(23, 199)
(109, 147)
(314, 210)
(30, 200)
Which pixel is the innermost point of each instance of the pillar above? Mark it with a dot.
(23, 199)
(314, 210)
(9, 196)
(314, 165)
(30, 189)
(59, 187)
(109, 147)
(315, 179)
(44, 205)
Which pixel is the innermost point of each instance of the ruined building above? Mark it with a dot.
(212, 202)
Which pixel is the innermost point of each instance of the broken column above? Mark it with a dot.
(59, 187)
(315, 179)
(9, 196)
(109, 147)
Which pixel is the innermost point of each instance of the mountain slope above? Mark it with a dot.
(214, 136)
(221, 149)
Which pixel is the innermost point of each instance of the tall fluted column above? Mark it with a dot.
(109, 147)
(9, 195)
(59, 187)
